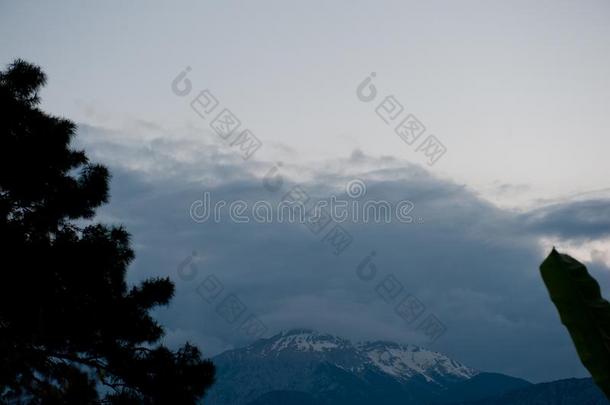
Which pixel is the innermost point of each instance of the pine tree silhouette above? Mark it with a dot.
(71, 330)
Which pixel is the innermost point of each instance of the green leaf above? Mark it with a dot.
(583, 311)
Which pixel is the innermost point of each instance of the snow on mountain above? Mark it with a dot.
(405, 361)
(399, 361)
(326, 369)
(305, 340)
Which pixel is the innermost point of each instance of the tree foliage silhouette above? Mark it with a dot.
(71, 330)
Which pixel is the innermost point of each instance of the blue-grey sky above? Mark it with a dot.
(517, 91)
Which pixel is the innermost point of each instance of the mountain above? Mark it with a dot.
(563, 392)
(304, 367)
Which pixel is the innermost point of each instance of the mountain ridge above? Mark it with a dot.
(327, 369)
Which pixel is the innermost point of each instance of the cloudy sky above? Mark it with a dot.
(517, 92)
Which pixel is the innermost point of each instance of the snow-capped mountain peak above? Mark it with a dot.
(405, 361)
(334, 370)
(306, 340)
(401, 362)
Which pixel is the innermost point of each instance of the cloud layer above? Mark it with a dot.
(469, 263)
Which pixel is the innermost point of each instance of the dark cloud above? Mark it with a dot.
(586, 220)
(471, 264)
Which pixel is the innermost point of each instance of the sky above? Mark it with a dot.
(517, 93)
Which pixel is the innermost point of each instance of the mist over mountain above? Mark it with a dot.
(305, 203)
(306, 367)
(303, 366)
